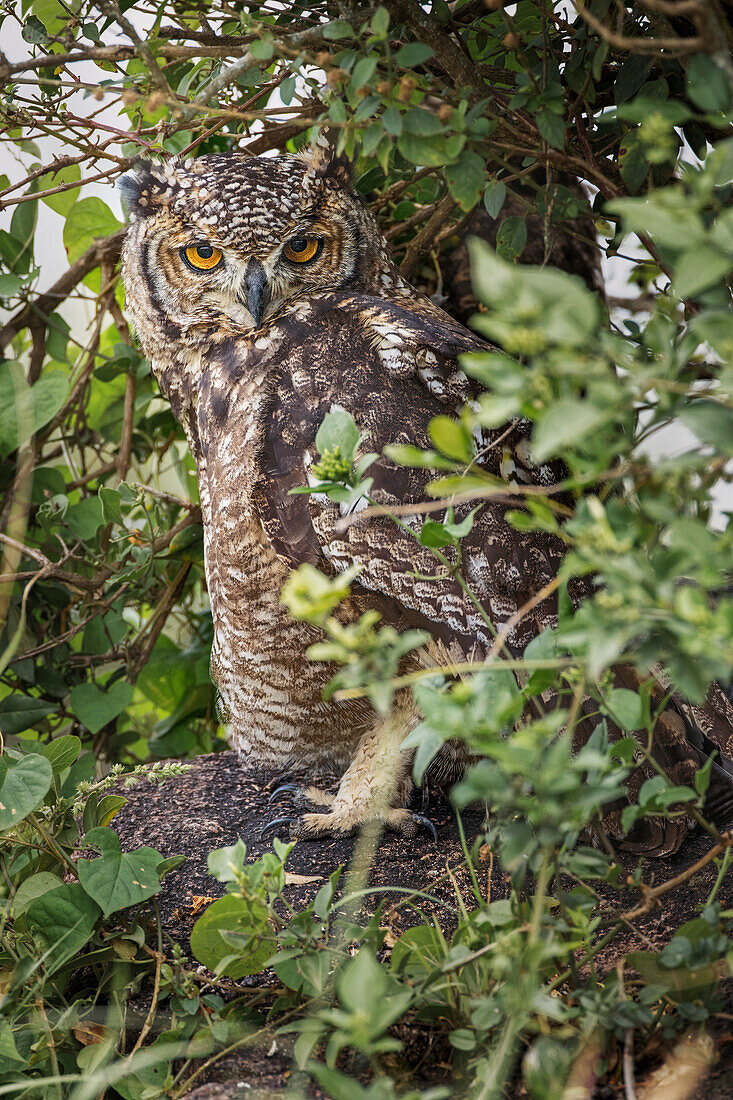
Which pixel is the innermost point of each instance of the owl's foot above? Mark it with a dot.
(313, 826)
(303, 797)
(340, 824)
(374, 788)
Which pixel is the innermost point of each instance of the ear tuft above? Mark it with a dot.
(129, 187)
(142, 188)
(324, 163)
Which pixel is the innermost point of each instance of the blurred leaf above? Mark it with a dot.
(87, 220)
(433, 152)
(338, 430)
(22, 712)
(451, 438)
(708, 84)
(699, 268)
(413, 54)
(64, 201)
(565, 423)
(95, 708)
(711, 422)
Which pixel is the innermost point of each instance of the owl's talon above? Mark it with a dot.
(283, 787)
(426, 824)
(274, 825)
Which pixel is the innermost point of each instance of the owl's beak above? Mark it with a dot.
(256, 291)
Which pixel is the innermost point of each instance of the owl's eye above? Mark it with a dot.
(202, 257)
(302, 249)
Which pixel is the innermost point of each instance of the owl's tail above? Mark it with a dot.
(685, 737)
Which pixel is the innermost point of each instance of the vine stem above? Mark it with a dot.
(52, 845)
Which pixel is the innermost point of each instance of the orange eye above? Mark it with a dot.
(202, 257)
(302, 249)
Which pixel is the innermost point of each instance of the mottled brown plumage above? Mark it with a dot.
(253, 351)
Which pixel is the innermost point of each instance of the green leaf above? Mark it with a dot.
(494, 197)
(565, 422)
(9, 285)
(87, 220)
(58, 337)
(627, 709)
(338, 430)
(64, 201)
(545, 1065)
(85, 518)
(246, 916)
(404, 454)
(363, 71)
(22, 712)
(711, 422)
(699, 268)
(336, 1083)
(434, 535)
(262, 49)
(430, 152)
(380, 21)
(392, 119)
(49, 394)
(451, 438)
(708, 85)
(421, 122)
(117, 880)
(31, 888)
(511, 238)
(702, 776)
(62, 752)
(27, 409)
(10, 1058)
(225, 864)
(466, 179)
(111, 505)
(667, 218)
(63, 920)
(23, 786)
(462, 1039)
(338, 29)
(414, 53)
(552, 127)
(95, 708)
(34, 31)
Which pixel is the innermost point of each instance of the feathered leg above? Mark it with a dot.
(375, 786)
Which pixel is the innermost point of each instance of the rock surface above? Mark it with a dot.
(216, 802)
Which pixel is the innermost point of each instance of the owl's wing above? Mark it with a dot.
(394, 368)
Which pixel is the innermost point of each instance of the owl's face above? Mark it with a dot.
(231, 240)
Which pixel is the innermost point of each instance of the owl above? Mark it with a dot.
(264, 296)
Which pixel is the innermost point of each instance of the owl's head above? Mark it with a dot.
(226, 241)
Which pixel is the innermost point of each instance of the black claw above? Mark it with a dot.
(273, 826)
(427, 824)
(281, 788)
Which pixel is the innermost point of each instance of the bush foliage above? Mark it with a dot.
(446, 111)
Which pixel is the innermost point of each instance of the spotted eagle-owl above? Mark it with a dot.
(264, 295)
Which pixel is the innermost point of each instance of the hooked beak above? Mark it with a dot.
(256, 291)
